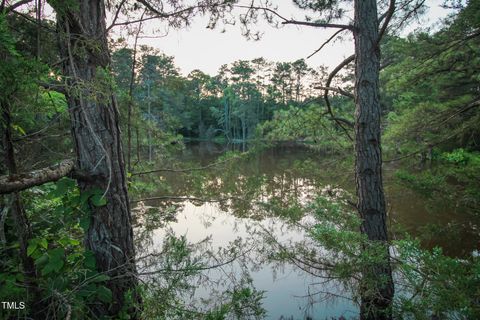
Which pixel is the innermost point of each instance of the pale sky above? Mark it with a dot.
(197, 47)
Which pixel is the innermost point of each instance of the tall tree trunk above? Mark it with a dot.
(22, 224)
(96, 134)
(377, 284)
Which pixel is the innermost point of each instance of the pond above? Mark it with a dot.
(223, 203)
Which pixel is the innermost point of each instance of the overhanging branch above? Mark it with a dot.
(325, 94)
(19, 182)
(319, 24)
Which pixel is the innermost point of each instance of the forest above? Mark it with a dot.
(131, 188)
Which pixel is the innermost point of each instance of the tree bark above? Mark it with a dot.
(96, 135)
(377, 283)
(22, 224)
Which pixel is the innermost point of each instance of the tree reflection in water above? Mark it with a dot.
(258, 218)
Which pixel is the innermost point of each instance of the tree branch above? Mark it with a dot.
(14, 6)
(57, 87)
(180, 198)
(326, 42)
(297, 22)
(264, 9)
(338, 90)
(325, 94)
(157, 14)
(388, 16)
(186, 169)
(19, 182)
(319, 24)
(117, 12)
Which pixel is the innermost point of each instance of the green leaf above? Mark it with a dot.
(87, 290)
(47, 269)
(16, 127)
(32, 247)
(43, 243)
(57, 253)
(104, 294)
(43, 259)
(63, 186)
(98, 200)
(84, 223)
(89, 260)
(68, 241)
(55, 261)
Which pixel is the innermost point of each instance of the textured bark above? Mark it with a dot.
(22, 224)
(377, 298)
(15, 182)
(96, 134)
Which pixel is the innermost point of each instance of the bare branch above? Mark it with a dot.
(343, 120)
(117, 12)
(338, 90)
(19, 182)
(264, 9)
(388, 16)
(319, 24)
(325, 94)
(326, 42)
(33, 21)
(184, 170)
(14, 6)
(297, 22)
(180, 198)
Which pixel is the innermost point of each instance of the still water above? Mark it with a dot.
(285, 175)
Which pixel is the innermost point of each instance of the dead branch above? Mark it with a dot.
(326, 42)
(185, 170)
(22, 181)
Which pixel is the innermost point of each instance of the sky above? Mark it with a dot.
(197, 47)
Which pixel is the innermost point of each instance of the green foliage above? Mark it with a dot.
(435, 284)
(430, 90)
(68, 278)
(309, 125)
(461, 157)
(429, 86)
(229, 105)
(244, 302)
(453, 178)
(7, 43)
(428, 283)
(179, 271)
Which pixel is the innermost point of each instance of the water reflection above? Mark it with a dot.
(290, 293)
(267, 190)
